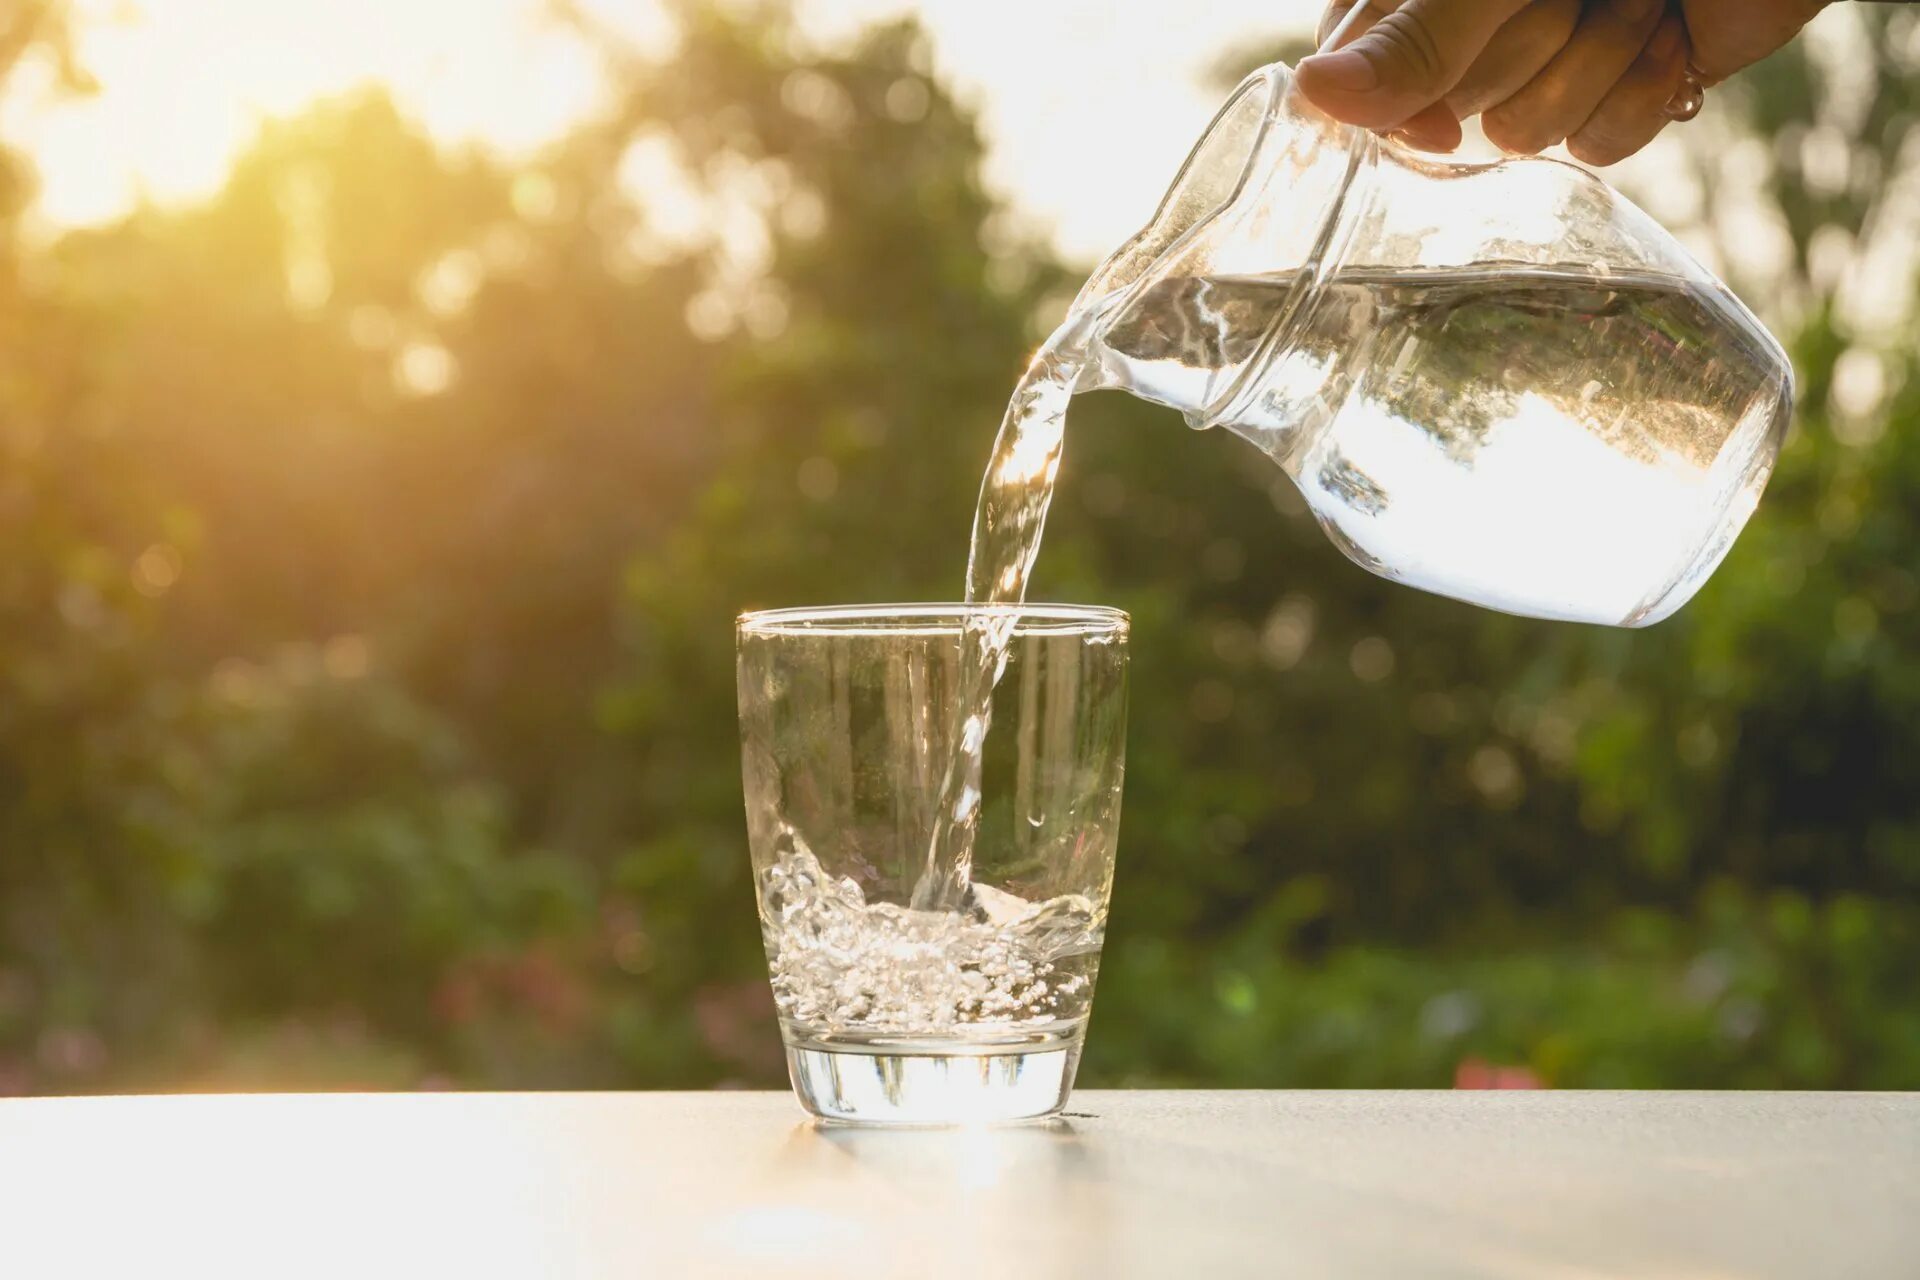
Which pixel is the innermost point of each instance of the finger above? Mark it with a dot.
(1404, 62)
(1636, 108)
(1558, 100)
(1730, 34)
(1432, 129)
(1519, 50)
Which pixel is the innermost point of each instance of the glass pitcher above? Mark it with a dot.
(1500, 382)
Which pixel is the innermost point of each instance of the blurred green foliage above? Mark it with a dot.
(375, 529)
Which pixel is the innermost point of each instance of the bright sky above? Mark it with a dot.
(1089, 104)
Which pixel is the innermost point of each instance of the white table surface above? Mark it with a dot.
(1556, 1186)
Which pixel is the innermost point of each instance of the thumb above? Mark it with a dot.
(1403, 63)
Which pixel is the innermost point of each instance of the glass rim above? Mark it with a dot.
(935, 618)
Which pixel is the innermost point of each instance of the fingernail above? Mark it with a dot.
(1346, 70)
(1422, 141)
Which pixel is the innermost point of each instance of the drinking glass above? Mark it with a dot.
(849, 719)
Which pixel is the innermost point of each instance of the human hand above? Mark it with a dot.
(1596, 74)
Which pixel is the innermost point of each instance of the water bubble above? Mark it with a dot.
(841, 964)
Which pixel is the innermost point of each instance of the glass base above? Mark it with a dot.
(865, 1086)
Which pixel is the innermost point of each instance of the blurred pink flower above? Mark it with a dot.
(1475, 1073)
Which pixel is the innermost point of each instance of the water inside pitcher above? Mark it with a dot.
(1500, 382)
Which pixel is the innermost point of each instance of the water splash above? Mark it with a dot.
(999, 962)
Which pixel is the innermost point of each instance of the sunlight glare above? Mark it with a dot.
(185, 84)
(1036, 453)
